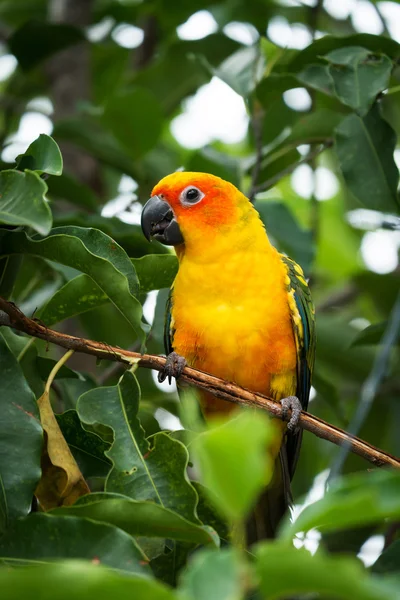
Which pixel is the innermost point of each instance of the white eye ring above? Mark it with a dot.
(191, 195)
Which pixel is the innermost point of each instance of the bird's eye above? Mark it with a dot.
(191, 195)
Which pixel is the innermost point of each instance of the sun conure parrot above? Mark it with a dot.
(238, 309)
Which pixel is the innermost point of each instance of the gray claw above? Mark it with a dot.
(291, 403)
(173, 367)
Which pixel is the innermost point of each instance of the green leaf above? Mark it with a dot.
(92, 252)
(35, 41)
(242, 70)
(135, 118)
(339, 577)
(210, 160)
(317, 76)
(80, 580)
(234, 461)
(214, 576)
(42, 156)
(327, 43)
(155, 271)
(142, 472)
(389, 560)
(51, 537)
(356, 500)
(21, 440)
(285, 230)
(46, 365)
(365, 147)
(87, 448)
(139, 518)
(77, 296)
(358, 76)
(370, 335)
(23, 202)
(315, 127)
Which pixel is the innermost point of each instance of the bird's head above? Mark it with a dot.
(193, 208)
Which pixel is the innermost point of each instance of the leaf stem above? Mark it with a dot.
(56, 368)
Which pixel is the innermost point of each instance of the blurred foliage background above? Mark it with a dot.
(296, 103)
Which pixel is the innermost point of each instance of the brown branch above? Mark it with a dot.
(218, 387)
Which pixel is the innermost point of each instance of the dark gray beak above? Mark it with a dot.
(158, 222)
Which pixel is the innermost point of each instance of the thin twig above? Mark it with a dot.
(310, 156)
(218, 387)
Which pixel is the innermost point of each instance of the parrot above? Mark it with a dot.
(237, 309)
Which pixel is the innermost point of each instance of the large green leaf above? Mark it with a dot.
(44, 537)
(74, 298)
(92, 252)
(21, 439)
(365, 146)
(327, 43)
(234, 461)
(215, 576)
(155, 271)
(42, 156)
(23, 202)
(142, 472)
(135, 118)
(357, 500)
(389, 560)
(285, 230)
(286, 572)
(358, 75)
(242, 70)
(80, 580)
(139, 518)
(87, 447)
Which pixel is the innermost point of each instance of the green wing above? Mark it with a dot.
(168, 329)
(303, 320)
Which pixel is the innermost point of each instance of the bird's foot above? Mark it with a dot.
(291, 403)
(174, 366)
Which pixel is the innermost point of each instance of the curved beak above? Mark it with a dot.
(158, 222)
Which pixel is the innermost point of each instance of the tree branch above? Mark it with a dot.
(13, 317)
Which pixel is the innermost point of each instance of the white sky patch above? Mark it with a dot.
(41, 104)
(244, 33)
(281, 33)
(311, 540)
(128, 36)
(379, 250)
(396, 153)
(126, 198)
(149, 306)
(198, 26)
(302, 181)
(8, 64)
(214, 112)
(313, 393)
(365, 18)
(297, 99)
(99, 31)
(367, 219)
(31, 126)
(371, 549)
(164, 386)
(167, 420)
(359, 323)
(341, 9)
(326, 184)
(391, 13)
